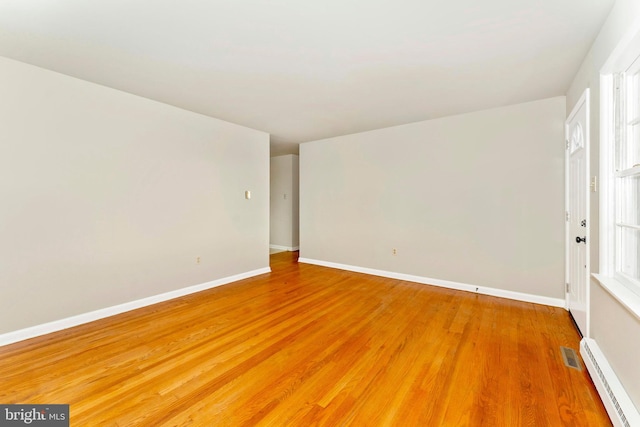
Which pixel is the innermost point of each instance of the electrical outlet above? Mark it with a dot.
(394, 251)
(197, 260)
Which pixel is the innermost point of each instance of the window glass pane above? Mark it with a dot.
(633, 101)
(629, 252)
(629, 197)
(620, 94)
(632, 149)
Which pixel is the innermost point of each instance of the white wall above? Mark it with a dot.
(284, 228)
(295, 202)
(612, 326)
(474, 199)
(109, 198)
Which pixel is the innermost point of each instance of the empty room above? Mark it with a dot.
(338, 213)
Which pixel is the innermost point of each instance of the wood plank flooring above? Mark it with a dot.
(308, 345)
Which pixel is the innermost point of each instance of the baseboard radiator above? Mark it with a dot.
(619, 406)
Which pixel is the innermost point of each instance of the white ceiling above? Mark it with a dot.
(305, 70)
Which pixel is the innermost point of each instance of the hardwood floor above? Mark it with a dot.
(308, 345)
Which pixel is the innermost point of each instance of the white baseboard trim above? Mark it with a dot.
(285, 248)
(518, 296)
(69, 322)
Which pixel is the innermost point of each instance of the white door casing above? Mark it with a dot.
(577, 213)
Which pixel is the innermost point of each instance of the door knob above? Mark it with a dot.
(581, 239)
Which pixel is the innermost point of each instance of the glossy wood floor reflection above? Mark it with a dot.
(308, 345)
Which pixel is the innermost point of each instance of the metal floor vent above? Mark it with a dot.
(570, 358)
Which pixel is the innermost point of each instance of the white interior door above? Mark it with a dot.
(577, 202)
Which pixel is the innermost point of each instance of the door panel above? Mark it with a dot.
(577, 202)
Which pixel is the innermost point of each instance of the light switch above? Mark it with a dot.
(247, 194)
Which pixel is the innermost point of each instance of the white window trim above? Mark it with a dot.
(621, 291)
